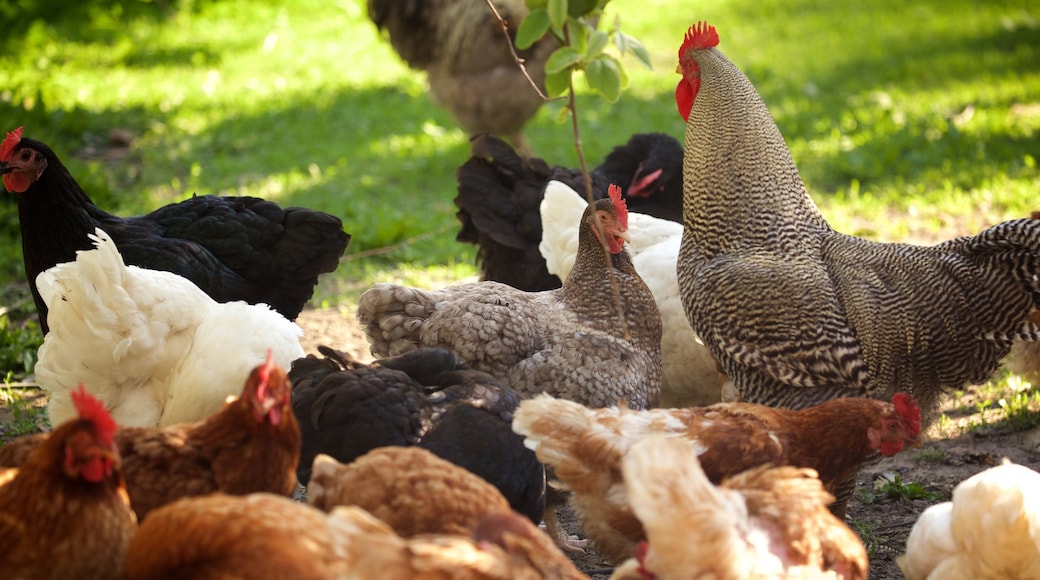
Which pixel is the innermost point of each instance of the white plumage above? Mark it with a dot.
(690, 377)
(990, 530)
(151, 345)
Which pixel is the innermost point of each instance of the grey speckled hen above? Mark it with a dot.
(568, 342)
(798, 313)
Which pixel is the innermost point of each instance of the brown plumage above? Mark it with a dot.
(65, 513)
(471, 72)
(568, 342)
(411, 489)
(251, 445)
(220, 536)
(798, 313)
(504, 546)
(586, 447)
(761, 523)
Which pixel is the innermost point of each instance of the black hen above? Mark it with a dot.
(346, 408)
(499, 194)
(425, 397)
(233, 248)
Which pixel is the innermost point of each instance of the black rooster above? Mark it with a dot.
(233, 248)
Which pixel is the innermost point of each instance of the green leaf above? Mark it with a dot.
(626, 44)
(534, 26)
(557, 13)
(579, 8)
(604, 77)
(597, 42)
(562, 58)
(533, 5)
(558, 83)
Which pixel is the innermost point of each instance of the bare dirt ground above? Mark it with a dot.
(957, 448)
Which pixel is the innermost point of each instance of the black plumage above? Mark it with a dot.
(346, 408)
(233, 248)
(426, 397)
(499, 194)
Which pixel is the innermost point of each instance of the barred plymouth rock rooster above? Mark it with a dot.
(233, 248)
(798, 313)
(570, 342)
(461, 46)
(499, 195)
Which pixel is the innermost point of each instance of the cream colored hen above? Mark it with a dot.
(989, 531)
(762, 523)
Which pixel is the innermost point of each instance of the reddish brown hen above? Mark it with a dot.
(586, 447)
(65, 513)
(251, 445)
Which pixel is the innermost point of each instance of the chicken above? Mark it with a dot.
(499, 195)
(65, 513)
(426, 397)
(798, 313)
(252, 537)
(570, 342)
(155, 348)
(251, 445)
(690, 375)
(233, 248)
(586, 447)
(346, 408)
(409, 488)
(467, 59)
(504, 546)
(767, 522)
(990, 530)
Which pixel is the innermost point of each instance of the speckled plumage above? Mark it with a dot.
(798, 313)
(568, 342)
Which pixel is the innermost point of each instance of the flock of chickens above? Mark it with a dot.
(581, 369)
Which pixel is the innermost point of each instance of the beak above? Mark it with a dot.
(624, 236)
(678, 69)
(5, 168)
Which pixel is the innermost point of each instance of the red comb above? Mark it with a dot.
(265, 369)
(93, 410)
(620, 206)
(700, 35)
(909, 411)
(10, 142)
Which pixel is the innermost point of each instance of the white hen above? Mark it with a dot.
(151, 345)
(690, 377)
(990, 530)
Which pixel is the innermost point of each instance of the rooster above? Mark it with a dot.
(989, 531)
(798, 313)
(65, 512)
(499, 195)
(155, 348)
(251, 445)
(586, 447)
(568, 342)
(466, 55)
(690, 375)
(233, 248)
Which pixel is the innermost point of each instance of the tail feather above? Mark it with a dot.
(393, 316)
(97, 302)
(583, 445)
(498, 197)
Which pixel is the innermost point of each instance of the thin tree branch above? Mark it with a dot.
(516, 57)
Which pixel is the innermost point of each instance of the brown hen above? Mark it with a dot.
(65, 513)
(251, 445)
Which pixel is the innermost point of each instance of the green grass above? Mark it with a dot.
(907, 121)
